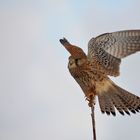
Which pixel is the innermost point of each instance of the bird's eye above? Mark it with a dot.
(78, 61)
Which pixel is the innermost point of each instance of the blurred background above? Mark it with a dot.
(39, 100)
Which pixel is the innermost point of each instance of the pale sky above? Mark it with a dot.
(39, 100)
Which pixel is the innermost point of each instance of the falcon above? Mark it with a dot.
(92, 71)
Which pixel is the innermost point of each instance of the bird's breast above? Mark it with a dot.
(86, 76)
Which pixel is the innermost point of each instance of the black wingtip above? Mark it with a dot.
(121, 112)
(102, 111)
(63, 41)
(133, 111)
(107, 112)
(127, 112)
(113, 113)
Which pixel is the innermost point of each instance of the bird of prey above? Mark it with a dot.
(92, 71)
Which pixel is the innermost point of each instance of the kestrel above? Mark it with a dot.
(91, 71)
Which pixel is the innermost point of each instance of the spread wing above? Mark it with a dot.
(108, 49)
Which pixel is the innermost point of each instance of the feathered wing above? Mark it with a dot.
(109, 48)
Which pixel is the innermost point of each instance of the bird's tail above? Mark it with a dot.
(111, 96)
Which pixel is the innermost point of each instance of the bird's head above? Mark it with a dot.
(75, 62)
(77, 57)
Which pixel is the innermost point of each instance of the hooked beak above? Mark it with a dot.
(72, 49)
(64, 41)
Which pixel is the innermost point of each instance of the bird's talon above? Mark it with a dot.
(90, 99)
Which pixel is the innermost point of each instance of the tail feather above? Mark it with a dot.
(106, 105)
(132, 101)
(120, 106)
(116, 97)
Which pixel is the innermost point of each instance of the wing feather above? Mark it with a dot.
(109, 48)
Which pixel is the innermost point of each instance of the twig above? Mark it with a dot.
(93, 122)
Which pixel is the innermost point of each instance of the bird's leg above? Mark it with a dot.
(91, 100)
(90, 97)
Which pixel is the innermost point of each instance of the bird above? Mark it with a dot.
(92, 71)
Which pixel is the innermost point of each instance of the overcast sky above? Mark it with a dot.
(39, 100)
